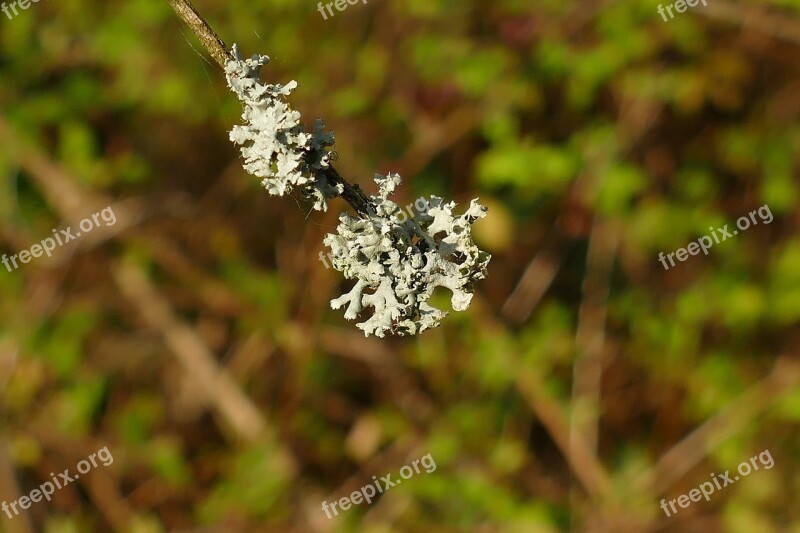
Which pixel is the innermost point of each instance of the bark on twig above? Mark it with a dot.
(221, 54)
(352, 194)
(208, 37)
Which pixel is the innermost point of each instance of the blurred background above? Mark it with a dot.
(194, 338)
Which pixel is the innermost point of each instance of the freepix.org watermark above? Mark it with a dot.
(60, 238)
(367, 492)
(340, 5)
(706, 489)
(23, 4)
(47, 489)
(720, 234)
(680, 6)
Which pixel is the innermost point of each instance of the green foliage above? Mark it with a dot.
(559, 115)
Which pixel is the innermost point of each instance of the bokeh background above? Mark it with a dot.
(194, 338)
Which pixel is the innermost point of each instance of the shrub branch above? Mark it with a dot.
(222, 54)
(208, 37)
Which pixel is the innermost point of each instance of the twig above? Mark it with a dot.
(70, 200)
(590, 336)
(352, 194)
(103, 485)
(583, 462)
(215, 46)
(221, 391)
(208, 37)
(581, 458)
(542, 270)
(754, 18)
(62, 191)
(784, 377)
(538, 276)
(9, 489)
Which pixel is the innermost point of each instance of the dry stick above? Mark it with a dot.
(579, 455)
(784, 377)
(101, 484)
(542, 270)
(61, 190)
(755, 18)
(67, 197)
(581, 459)
(192, 354)
(538, 276)
(590, 337)
(70, 199)
(9, 489)
(637, 118)
(351, 194)
(434, 136)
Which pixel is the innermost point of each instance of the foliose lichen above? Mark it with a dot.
(273, 142)
(397, 265)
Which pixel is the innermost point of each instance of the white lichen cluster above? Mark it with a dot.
(274, 144)
(398, 265)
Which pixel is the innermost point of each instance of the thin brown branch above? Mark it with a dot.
(9, 489)
(590, 337)
(581, 458)
(542, 270)
(352, 194)
(195, 358)
(690, 451)
(71, 200)
(215, 46)
(208, 37)
(757, 18)
(584, 464)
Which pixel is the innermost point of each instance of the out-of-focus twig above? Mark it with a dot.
(100, 483)
(542, 270)
(583, 462)
(72, 202)
(434, 136)
(581, 458)
(8, 362)
(753, 17)
(9, 491)
(590, 336)
(397, 381)
(197, 361)
(64, 194)
(537, 278)
(62, 190)
(784, 376)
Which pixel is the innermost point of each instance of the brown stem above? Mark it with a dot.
(208, 37)
(219, 51)
(352, 194)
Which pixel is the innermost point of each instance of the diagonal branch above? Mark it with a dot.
(211, 41)
(591, 333)
(221, 54)
(689, 452)
(192, 354)
(578, 453)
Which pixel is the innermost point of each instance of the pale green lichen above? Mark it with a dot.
(398, 265)
(273, 142)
